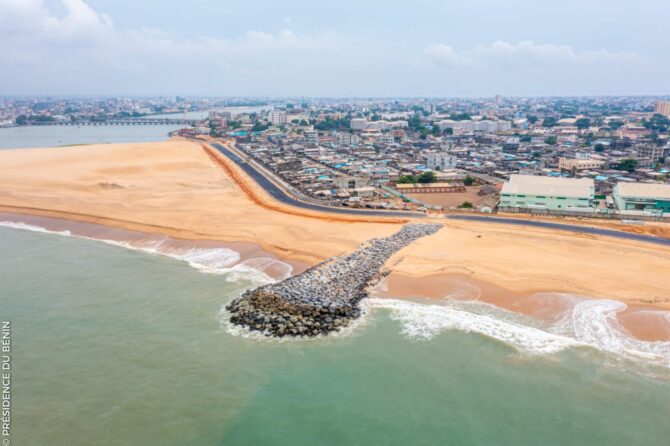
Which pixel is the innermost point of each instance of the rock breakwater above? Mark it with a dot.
(325, 297)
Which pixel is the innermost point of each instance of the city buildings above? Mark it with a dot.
(662, 108)
(650, 198)
(579, 164)
(441, 161)
(537, 192)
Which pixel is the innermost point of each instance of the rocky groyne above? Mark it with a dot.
(325, 297)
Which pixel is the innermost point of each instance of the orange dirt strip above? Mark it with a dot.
(243, 182)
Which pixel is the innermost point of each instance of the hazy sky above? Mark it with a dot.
(335, 48)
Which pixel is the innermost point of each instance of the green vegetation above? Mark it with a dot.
(406, 179)
(469, 181)
(260, 127)
(460, 116)
(414, 123)
(525, 138)
(627, 165)
(599, 148)
(549, 121)
(341, 124)
(532, 119)
(426, 177)
(466, 205)
(616, 125)
(658, 123)
(583, 123)
(551, 140)
(27, 119)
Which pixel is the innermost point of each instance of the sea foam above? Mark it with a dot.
(595, 323)
(423, 322)
(221, 261)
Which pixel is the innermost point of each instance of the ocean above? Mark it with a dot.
(121, 344)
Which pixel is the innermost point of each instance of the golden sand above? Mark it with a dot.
(177, 189)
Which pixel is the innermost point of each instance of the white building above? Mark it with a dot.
(277, 117)
(347, 139)
(312, 137)
(359, 123)
(538, 192)
(441, 161)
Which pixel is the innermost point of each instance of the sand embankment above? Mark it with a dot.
(175, 188)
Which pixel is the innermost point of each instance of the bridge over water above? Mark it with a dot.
(137, 121)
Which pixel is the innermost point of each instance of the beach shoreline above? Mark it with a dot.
(175, 189)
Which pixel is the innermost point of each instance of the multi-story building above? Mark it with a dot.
(312, 137)
(579, 164)
(528, 191)
(277, 117)
(350, 182)
(652, 151)
(359, 123)
(645, 197)
(662, 108)
(441, 161)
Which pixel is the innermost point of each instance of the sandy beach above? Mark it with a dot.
(175, 188)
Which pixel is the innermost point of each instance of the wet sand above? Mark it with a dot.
(174, 189)
(246, 250)
(643, 323)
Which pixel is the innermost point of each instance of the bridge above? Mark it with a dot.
(124, 121)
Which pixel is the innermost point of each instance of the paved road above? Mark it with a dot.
(280, 195)
(283, 197)
(565, 227)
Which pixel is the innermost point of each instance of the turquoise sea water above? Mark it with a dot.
(113, 346)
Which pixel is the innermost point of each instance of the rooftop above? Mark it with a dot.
(550, 186)
(644, 190)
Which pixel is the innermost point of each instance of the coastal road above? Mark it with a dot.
(283, 197)
(564, 227)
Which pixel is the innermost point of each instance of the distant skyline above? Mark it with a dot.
(460, 48)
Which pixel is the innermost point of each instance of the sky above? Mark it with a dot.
(254, 48)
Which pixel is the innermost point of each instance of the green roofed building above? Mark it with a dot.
(536, 192)
(642, 197)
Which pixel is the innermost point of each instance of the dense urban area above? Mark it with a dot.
(600, 156)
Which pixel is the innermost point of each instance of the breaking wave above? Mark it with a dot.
(424, 321)
(595, 323)
(222, 261)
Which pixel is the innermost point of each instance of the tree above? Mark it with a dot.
(436, 131)
(526, 138)
(616, 125)
(583, 123)
(427, 177)
(406, 179)
(599, 148)
(466, 205)
(532, 119)
(627, 165)
(551, 140)
(469, 181)
(460, 116)
(22, 120)
(448, 131)
(657, 123)
(549, 121)
(259, 127)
